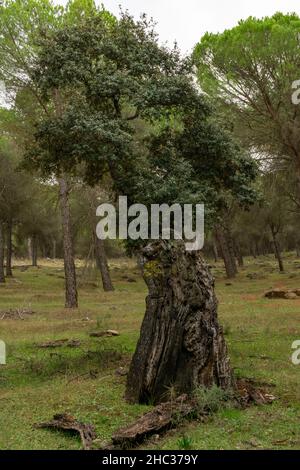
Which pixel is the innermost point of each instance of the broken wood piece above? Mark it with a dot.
(17, 313)
(249, 394)
(69, 423)
(288, 294)
(74, 343)
(161, 418)
(102, 334)
(71, 343)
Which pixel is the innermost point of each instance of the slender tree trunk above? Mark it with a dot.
(215, 250)
(238, 254)
(254, 252)
(181, 345)
(34, 249)
(102, 264)
(277, 251)
(69, 263)
(257, 248)
(54, 248)
(9, 272)
(229, 260)
(29, 248)
(2, 274)
(230, 244)
(44, 251)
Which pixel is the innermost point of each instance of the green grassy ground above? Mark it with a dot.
(37, 383)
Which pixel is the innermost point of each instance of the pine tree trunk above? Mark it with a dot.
(53, 248)
(34, 249)
(9, 272)
(230, 244)
(253, 251)
(2, 274)
(181, 344)
(29, 248)
(277, 251)
(239, 254)
(257, 248)
(215, 250)
(225, 250)
(69, 263)
(102, 264)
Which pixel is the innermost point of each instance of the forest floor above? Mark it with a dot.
(37, 383)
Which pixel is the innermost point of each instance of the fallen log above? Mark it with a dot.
(249, 394)
(70, 343)
(67, 422)
(106, 334)
(156, 421)
(288, 294)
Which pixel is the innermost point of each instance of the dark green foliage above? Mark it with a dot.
(121, 104)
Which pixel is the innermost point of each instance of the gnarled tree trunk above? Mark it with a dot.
(69, 263)
(181, 345)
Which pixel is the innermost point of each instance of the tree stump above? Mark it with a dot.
(181, 344)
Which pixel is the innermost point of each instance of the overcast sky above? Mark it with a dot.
(187, 20)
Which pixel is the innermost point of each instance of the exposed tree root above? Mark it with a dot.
(171, 414)
(68, 423)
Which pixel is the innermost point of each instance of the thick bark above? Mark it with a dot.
(181, 345)
(277, 251)
(34, 250)
(102, 264)
(69, 263)
(9, 272)
(227, 252)
(2, 274)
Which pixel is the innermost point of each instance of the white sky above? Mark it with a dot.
(187, 20)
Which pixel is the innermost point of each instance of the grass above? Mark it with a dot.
(37, 383)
